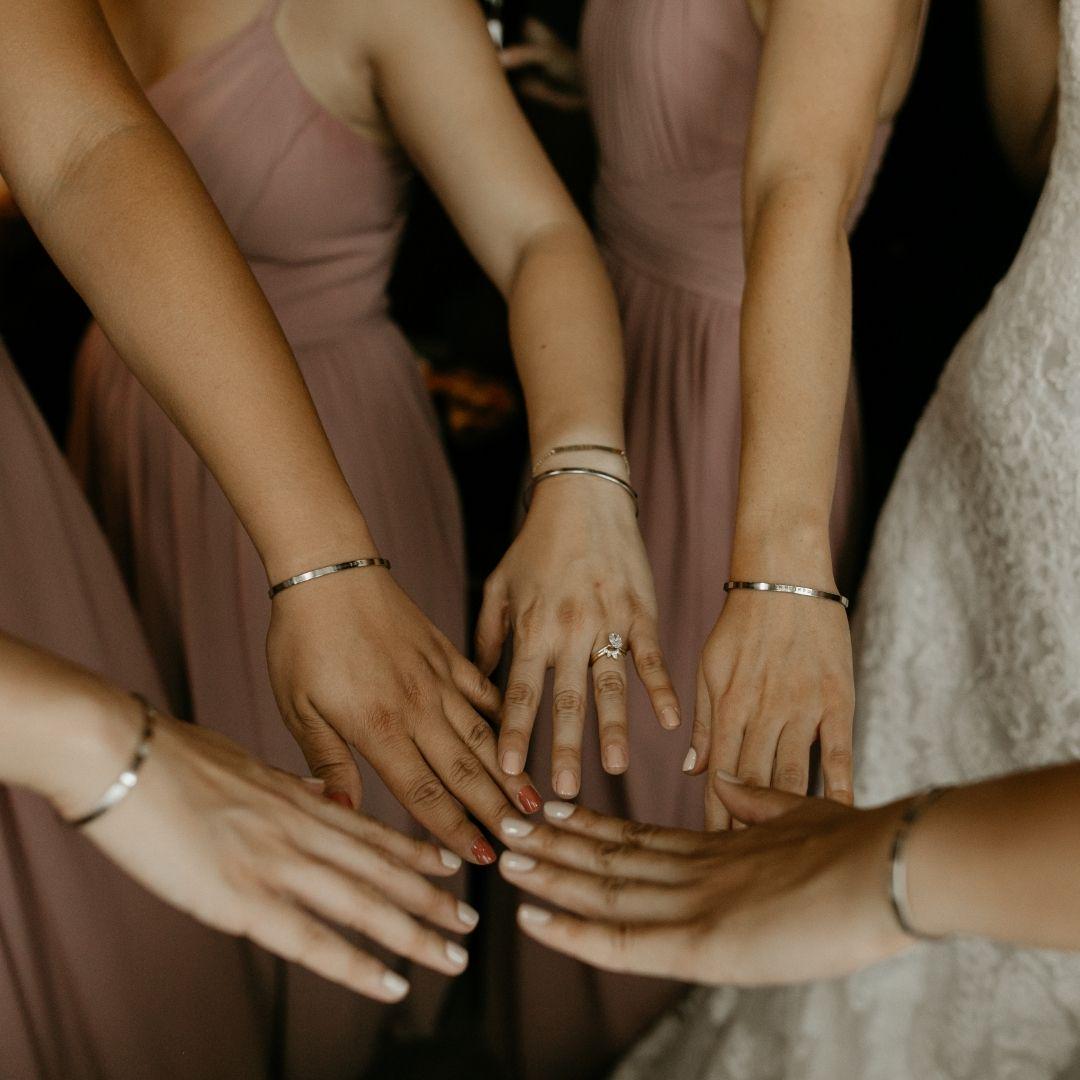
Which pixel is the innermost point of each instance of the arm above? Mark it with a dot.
(578, 570)
(126, 218)
(1020, 57)
(733, 908)
(776, 672)
(259, 853)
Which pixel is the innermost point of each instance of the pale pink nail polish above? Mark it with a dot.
(691, 760)
(558, 811)
(533, 916)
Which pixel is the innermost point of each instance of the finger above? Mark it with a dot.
(492, 626)
(697, 757)
(836, 763)
(475, 732)
(520, 702)
(644, 950)
(478, 690)
(568, 715)
(725, 746)
(519, 56)
(754, 805)
(423, 794)
(621, 857)
(329, 758)
(538, 89)
(594, 895)
(791, 771)
(609, 689)
(326, 891)
(652, 670)
(578, 819)
(294, 935)
(757, 754)
(464, 775)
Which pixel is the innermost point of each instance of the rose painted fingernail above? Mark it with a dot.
(533, 916)
(512, 762)
(482, 851)
(530, 799)
(558, 811)
(514, 828)
(566, 784)
(731, 778)
(341, 798)
(456, 954)
(615, 758)
(690, 760)
(517, 864)
(670, 717)
(467, 915)
(395, 985)
(449, 859)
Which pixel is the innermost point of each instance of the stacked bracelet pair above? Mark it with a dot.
(579, 470)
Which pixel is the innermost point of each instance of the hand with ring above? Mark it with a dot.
(576, 591)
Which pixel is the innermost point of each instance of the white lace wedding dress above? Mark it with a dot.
(968, 665)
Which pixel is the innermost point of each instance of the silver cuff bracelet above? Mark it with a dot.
(898, 883)
(796, 590)
(324, 571)
(578, 471)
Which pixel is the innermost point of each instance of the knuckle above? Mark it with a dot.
(753, 779)
(636, 833)
(383, 722)
(569, 702)
(424, 793)
(412, 692)
(478, 736)
(520, 694)
(464, 770)
(613, 889)
(569, 615)
(532, 620)
(609, 852)
(650, 662)
(610, 684)
(791, 777)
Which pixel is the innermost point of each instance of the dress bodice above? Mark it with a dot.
(671, 87)
(316, 208)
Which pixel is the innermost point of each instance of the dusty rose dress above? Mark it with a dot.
(318, 211)
(670, 85)
(97, 978)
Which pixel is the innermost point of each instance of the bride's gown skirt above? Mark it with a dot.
(670, 87)
(318, 212)
(968, 666)
(97, 978)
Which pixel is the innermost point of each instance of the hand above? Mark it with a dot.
(576, 573)
(258, 853)
(355, 663)
(801, 895)
(556, 77)
(775, 675)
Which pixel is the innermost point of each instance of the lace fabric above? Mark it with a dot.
(968, 665)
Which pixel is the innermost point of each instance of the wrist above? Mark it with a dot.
(793, 550)
(324, 544)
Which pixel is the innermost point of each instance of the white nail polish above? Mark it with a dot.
(394, 984)
(558, 811)
(467, 915)
(515, 828)
(314, 782)
(690, 761)
(533, 916)
(449, 859)
(731, 778)
(456, 954)
(519, 864)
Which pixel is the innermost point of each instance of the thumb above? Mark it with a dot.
(330, 760)
(753, 805)
(492, 626)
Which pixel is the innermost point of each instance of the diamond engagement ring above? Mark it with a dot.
(614, 649)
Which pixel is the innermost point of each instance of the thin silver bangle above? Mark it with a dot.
(125, 783)
(898, 882)
(324, 571)
(581, 449)
(578, 471)
(796, 590)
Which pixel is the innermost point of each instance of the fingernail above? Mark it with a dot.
(341, 798)
(518, 864)
(456, 954)
(533, 916)
(729, 777)
(670, 717)
(514, 828)
(615, 759)
(512, 762)
(566, 784)
(314, 782)
(482, 851)
(394, 984)
(558, 811)
(530, 799)
(449, 859)
(467, 915)
(690, 760)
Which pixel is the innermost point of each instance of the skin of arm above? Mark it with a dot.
(776, 671)
(804, 892)
(1020, 57)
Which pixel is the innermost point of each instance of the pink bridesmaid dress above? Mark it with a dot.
(97, 978)
(670, 86)
(317, 211)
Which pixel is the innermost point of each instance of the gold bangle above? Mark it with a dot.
(583, 448)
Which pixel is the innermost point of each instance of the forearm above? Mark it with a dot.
(1002, 860)
(795, 364)
(567, 341)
